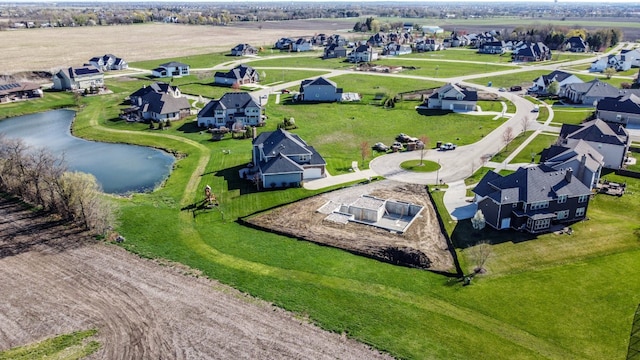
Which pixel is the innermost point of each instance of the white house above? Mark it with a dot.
(562, 78)
(453, 97)
(171, 69)
(362, 53)
(108, 62)
(160, 101)
(319, 89)
(302, 44)
(232, 108)
(394, 49)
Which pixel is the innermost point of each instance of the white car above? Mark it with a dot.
(447, 146)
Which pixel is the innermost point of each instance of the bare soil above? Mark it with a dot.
(56, 280)
(423, 245)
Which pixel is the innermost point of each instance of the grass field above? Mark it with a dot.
(68, 346)
(535, 147)
(544, 297)
(513, 145)
(570, 115)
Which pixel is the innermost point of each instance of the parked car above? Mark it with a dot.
(536, 108)
(380, 147)
(397, 146)
(285, 91)
(404, 138)
(447, 146)
(516, 88)
(502, 89)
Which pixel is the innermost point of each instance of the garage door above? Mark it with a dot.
(313, 173)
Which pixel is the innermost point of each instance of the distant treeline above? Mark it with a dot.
(92, 14)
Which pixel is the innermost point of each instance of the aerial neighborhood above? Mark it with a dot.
(381, 181)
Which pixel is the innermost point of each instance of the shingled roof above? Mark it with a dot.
(237, 100)
(596, 131)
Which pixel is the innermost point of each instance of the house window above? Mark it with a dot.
(580, 212)
(304, 157)
(562, 214)
(541, 224)
(539, 205)
(583, 198)
(562, 199)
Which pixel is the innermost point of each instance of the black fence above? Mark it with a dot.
(634, 340)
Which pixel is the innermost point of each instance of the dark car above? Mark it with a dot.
(380, 147)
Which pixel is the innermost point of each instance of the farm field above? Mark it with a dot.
(551, 296)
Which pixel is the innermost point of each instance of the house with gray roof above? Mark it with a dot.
(362, 53)
(609, 139)
(108, 62)
(530, 52)
(334, 51)
(283, 159)
(492, 47)
(541, 84)
(453, 97)
(171, 69)
(301, 45)
(284, 43)
(19, 91)
(243, 50)
(238, 108)
(319, 90)
(585, 161)
(78, 78)
(241, 75)
(159, 102)
(532, 199)
(589, 93)
(575, 44)
(624, 109)
(423, 45)
(395, 49)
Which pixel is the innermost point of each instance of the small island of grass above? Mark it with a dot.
(417, 166)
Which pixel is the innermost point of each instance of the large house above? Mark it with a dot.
(529, 52)
(562, 78)
(624, 109)
(19, 91)
(283, 159)
(585, 161)
(78, 78)
(378, 39)
(159, 102)
(334, 51)
(232, 108)
(241, 74)
(619, 62)
(424, 45)
(171, 69)
(284, 44)
(610, 140)
(589, 93)
(576, 44)
(532, 199)
(302, 44)
(108, 62)
(453, 97)
(318, 90)
(243, 50)
(394, 49)
(362, 53)
(492, 47)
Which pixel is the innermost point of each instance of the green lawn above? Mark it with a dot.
(570, 115)
(51, 100)
(194, 61)
(524, 79)
(460, 54)
(420, 166)
(545, 297)
(441, 69)
(68, 346)
(309, 60)
(534, 149)
(506, 151)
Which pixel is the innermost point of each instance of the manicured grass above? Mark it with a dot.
(460, 54)
(369, 85)
(507, 150)
(307, 60)
(51, 100)
(68, 346)
(535, 148)
(493, 105)
(524, 79)
(570, 115)
(635, 153)
(194, 61)
(477, 176)
(441, 69)
(550, 296)
(420, 166)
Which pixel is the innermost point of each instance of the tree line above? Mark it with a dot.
(39, 178)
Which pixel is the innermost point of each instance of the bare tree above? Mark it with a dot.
(479, 254)
(525, 122)
(507, 137)
(425, 146)
(365, 151)
(484, 158)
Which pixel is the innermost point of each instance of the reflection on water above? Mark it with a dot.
(119, 168)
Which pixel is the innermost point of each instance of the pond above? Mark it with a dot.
(119, 168)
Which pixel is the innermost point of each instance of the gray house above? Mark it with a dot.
(159, 102)
(541, 83)
(589, 93)
(232, 108)
(320, 90)
(283, 159)
(585, 161)
(108, 62)
(334, 51)
(302, 44)
(532, 199)
(492, 47)
(623, 109)
(576, 44)
(243, 50)
(241, 74)
(453, 97)
(171, 69)
(610, 140)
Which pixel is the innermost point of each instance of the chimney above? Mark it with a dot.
(568, 175)
(254, 132)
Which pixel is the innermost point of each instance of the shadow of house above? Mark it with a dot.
(234, 182)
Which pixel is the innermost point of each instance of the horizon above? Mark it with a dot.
(559, 2)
